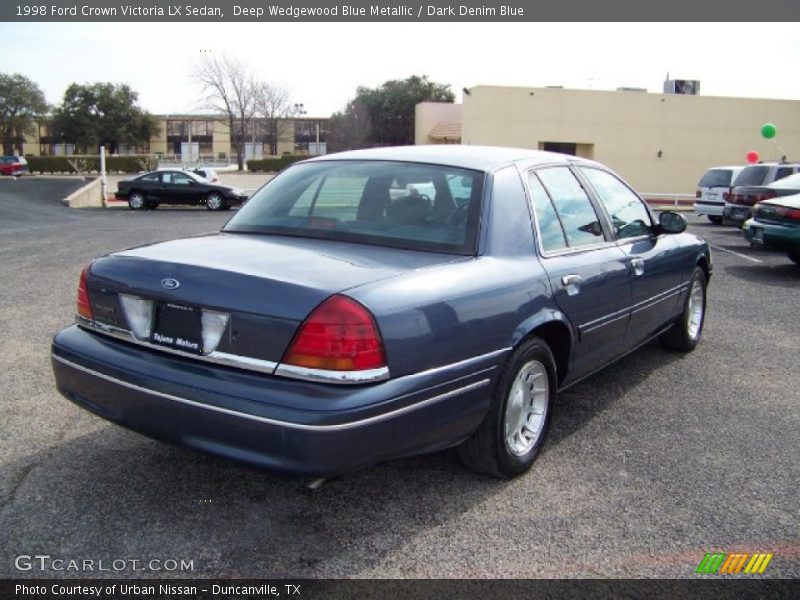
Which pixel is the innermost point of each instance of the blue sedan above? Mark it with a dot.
(376, 304)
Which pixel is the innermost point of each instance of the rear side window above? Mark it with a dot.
(578, 217)
(551, 234)
(716, 178)
(783, 172)
(151, 177)
(629, 216)
(755, 175)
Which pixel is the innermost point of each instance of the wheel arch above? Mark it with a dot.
(704, 263)
(552, 327)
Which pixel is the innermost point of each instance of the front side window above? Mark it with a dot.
(578, 217)
(181, 179)
(427, 207)
(629, 216)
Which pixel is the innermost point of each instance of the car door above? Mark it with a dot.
(654, 258)
(149, 185)
(184, 189)
(587, 270)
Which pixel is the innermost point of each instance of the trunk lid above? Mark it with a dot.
(267, 285)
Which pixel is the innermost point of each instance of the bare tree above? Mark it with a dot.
(229, 89)
(274, 107)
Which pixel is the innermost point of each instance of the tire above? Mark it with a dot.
(215, 201)
(687, 329)
(794, 256)
(136, 201)
(498, 447)
(715, 219)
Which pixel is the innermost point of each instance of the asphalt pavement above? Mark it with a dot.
(650, 464)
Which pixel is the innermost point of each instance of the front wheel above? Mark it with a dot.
(513, 432)
(136, 201)
(215, 202)
(794, 256)
(687, 329)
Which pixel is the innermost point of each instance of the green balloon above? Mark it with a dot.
(768, 131)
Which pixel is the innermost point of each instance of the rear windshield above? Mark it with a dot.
(755, 175)
(716, 178)
(406, 205)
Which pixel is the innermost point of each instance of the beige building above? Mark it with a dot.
(660, 143)
(206, 137)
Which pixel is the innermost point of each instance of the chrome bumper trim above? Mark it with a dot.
(325, 376)
(279, 423)
(220, 358)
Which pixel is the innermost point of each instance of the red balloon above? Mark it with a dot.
(752, 157)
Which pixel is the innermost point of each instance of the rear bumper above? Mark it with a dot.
(293, 427)
(773, 235)
(735, 214)
(713, 209)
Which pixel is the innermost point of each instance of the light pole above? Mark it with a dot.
(299, 109)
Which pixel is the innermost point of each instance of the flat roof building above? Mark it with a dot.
(660, 143)
(193, 137)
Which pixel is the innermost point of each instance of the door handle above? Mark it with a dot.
(638, 266)
(571, 283)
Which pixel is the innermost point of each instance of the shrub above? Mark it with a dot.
(114, 164)
(271, 165)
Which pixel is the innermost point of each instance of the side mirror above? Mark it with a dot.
(671, 222)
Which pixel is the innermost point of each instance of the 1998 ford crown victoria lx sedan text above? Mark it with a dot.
(383, 303)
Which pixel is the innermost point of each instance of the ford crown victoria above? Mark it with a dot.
(375, 304)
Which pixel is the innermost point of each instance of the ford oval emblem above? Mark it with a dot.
(170, 284)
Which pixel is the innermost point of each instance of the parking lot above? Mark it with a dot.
(649, 465)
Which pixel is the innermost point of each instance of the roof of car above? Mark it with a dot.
(481, 158)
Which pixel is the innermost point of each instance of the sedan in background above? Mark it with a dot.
(13, 165)
(776, 224)
(210, 175)
(383, 303)
(177, 187)
(756, 183)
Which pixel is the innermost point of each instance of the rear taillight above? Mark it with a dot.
(726, 196)
(84, 305)
(765, 196)
(792, 214)
(698, 194)
(339, 335)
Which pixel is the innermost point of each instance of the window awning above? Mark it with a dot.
(446, 131)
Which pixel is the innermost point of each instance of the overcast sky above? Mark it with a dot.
(323, 63)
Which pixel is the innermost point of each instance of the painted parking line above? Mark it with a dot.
(739, 254)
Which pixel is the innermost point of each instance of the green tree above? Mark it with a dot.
(105, 114)
(350, 128)
(21, 103)
(391, 107)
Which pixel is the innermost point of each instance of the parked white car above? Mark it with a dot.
(713, 191)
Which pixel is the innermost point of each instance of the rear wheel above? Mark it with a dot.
(136, 201)
(685, 333)
(513, 432)
(794, 256)
(215, 202)
(715, 219)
